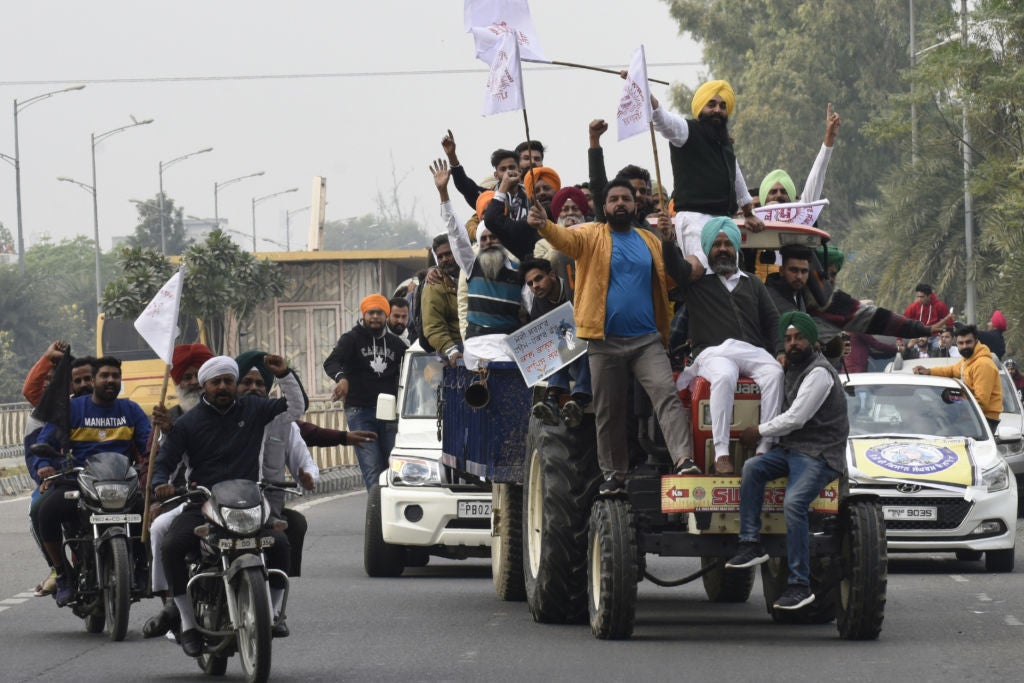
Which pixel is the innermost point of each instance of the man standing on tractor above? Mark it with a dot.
(812, 431)
(622, 309)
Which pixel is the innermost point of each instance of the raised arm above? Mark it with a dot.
(595, 163)
(458, 238)
(671, 126)
(816, 178)
(466, 187)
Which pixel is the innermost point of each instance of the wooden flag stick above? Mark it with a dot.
(152, 456)
(593, 68)
(529, 150)
(657, 170)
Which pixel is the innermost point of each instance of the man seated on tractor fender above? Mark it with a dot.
(733, 325)
(812, 433)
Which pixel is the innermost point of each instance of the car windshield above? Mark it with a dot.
(912, 409)
(424, 376)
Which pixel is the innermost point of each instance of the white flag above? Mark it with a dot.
(158, 324)
(490, 20)
(795, 212)
(634, 114)
(505, 83)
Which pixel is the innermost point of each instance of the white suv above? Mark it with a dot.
(419, 507)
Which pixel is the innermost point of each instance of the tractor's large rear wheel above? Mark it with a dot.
(865, 572)
(562, 478)
(774, 579)
(613, 569)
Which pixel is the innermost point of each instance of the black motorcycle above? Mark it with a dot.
(228, 579)
(102, 542)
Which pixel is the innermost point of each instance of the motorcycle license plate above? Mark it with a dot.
(115, 519)
(245, 543)
(474, 509)
(894, 513)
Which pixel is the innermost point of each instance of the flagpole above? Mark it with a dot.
(529, 150)
(591, 68)
(657, 168)
(152, 455)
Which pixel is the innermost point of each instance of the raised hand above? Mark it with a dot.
(832, 123)
(537, 218)
(509, 182)
(439, 169)
(598, 127)
(448, 145)
(276, 364)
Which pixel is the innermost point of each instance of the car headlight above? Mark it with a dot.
(411, 471)
(996, 478)
(242, 520)
(113, 496)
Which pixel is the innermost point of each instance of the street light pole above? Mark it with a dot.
(260, 200)
(968, 199)
(218, 186)
(18, 107)
(913, 104)
(160, 199)
(288, 225)
(94, 140)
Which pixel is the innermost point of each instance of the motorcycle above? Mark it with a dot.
(102, 541)
(228, 579)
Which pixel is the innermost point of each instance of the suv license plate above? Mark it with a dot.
(115, 519)
(474, 509)
(892, 513)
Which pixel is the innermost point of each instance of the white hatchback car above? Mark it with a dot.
(922, 445)
(419, 508)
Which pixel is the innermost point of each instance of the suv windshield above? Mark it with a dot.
(912, 409)
(422, 380)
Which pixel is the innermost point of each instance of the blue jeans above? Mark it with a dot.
(807, 477)
(578, 371)
(372, 455)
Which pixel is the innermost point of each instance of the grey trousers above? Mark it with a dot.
(614, 363)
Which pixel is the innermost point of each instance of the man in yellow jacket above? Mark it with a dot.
(977, 370)
(622, 310)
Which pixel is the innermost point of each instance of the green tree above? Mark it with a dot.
(915, 232)
(147, 232)
(786, 60)
(371, 232)
(220, 280)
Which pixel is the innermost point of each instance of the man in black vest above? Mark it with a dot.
(811, 450)
(708, 180)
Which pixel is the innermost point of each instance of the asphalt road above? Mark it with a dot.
(945, 620)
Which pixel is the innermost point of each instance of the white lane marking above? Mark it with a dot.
(327, 499)
(3, 608)
(1012, 620)
(13, 601)
(958, 578)
(984, 598)
(30, 594)
(469, 656)
(16, 500)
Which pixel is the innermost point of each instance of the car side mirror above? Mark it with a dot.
(1007, 434)
(387, 407)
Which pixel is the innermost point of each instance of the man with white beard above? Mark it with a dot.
(490, 278)
(185, 364)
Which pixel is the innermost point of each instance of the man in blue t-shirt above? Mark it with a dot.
(622, 310)
(99, 423)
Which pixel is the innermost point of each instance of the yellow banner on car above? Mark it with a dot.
(681, 493)
(937, 461)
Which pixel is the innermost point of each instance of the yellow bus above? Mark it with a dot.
(142, 371)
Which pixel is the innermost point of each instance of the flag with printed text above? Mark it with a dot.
(505, 82)
(634, 112)
(491, 20)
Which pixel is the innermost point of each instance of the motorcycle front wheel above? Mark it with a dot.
(117, 587)
(254, 628)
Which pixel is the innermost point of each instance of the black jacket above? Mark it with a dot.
(369, 363)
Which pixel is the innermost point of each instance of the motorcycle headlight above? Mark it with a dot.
(411, 471)
(113, 496)
(996, 478)
(242, 520)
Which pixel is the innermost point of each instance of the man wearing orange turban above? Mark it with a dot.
(364, 364)
(707, 178)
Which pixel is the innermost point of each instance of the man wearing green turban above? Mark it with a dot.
(811, 451)
(778, 187)
(708, 180)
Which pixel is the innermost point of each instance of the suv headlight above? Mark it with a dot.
(411, 471)
(996, 478)
(242, 520)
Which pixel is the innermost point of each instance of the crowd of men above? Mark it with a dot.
(652, 276)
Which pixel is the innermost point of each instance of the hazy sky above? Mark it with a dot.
(347, 128)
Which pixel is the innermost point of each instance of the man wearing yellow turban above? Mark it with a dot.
(707, 178)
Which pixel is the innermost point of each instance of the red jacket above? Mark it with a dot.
(928, 313)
